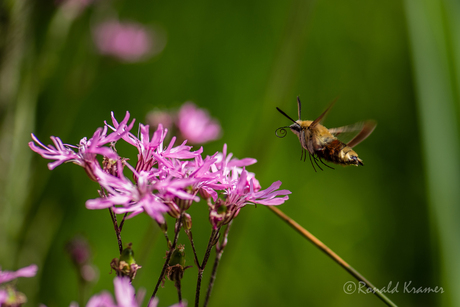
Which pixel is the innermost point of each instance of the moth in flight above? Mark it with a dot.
(322, 143)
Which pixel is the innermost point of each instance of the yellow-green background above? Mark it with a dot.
(394, 220)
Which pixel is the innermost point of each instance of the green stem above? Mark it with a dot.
(168, 256)
(212, 241)
(219, 251)
(333, 255)
(117, 229)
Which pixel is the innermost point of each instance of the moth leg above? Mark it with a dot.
(316, 162)
(325, 164)
(312, 163)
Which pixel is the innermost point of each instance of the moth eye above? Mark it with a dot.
(295, 127)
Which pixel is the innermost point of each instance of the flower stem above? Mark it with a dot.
(190, 237)
(331, 254)
(122, 221)
(212, 241)
(117, 229)
(219, 252)
(168, 256)
(178, 287)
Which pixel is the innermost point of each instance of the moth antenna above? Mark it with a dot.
(282, 112)
(299, 107)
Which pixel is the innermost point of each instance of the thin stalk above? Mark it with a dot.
(117, 229)
(212, 241)
(168, 256)
(190, 238)
(164, 230)
(333, 255)
(178, 287)
(122, 221)
(219, 252)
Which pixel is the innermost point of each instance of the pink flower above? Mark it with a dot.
(59, 152)
(196, 125)
(268, 197)
(242, 188)
(124, 293)
(246, 191)
(152, 151)
(157, 117)
(165, 179)
(140, 197)
(28, 271)
(125, 296)
(87, 149)
(127, 41)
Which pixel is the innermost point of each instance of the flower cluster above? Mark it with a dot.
(167, 178)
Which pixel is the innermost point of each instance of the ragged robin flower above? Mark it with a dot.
(167, 178)
(86, 150)
(243, 188)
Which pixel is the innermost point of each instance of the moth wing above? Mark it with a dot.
(364, 129)
(320, 118)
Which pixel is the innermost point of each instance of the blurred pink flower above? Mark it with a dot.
(28, 271)
(127, 41)
(196, 125)
(157, 117)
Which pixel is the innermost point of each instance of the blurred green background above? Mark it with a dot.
(394, 220)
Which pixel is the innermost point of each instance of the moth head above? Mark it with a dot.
(295, 127)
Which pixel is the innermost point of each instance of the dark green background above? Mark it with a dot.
(240, 60)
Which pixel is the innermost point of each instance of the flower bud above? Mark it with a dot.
(178, 256)
(127, 255)
(205, 194)
(187, 221)
(176, 267)
(221, 213)
(79, 250)
(90, 172)
(174, 210)
(184, 204)
(125, 265)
